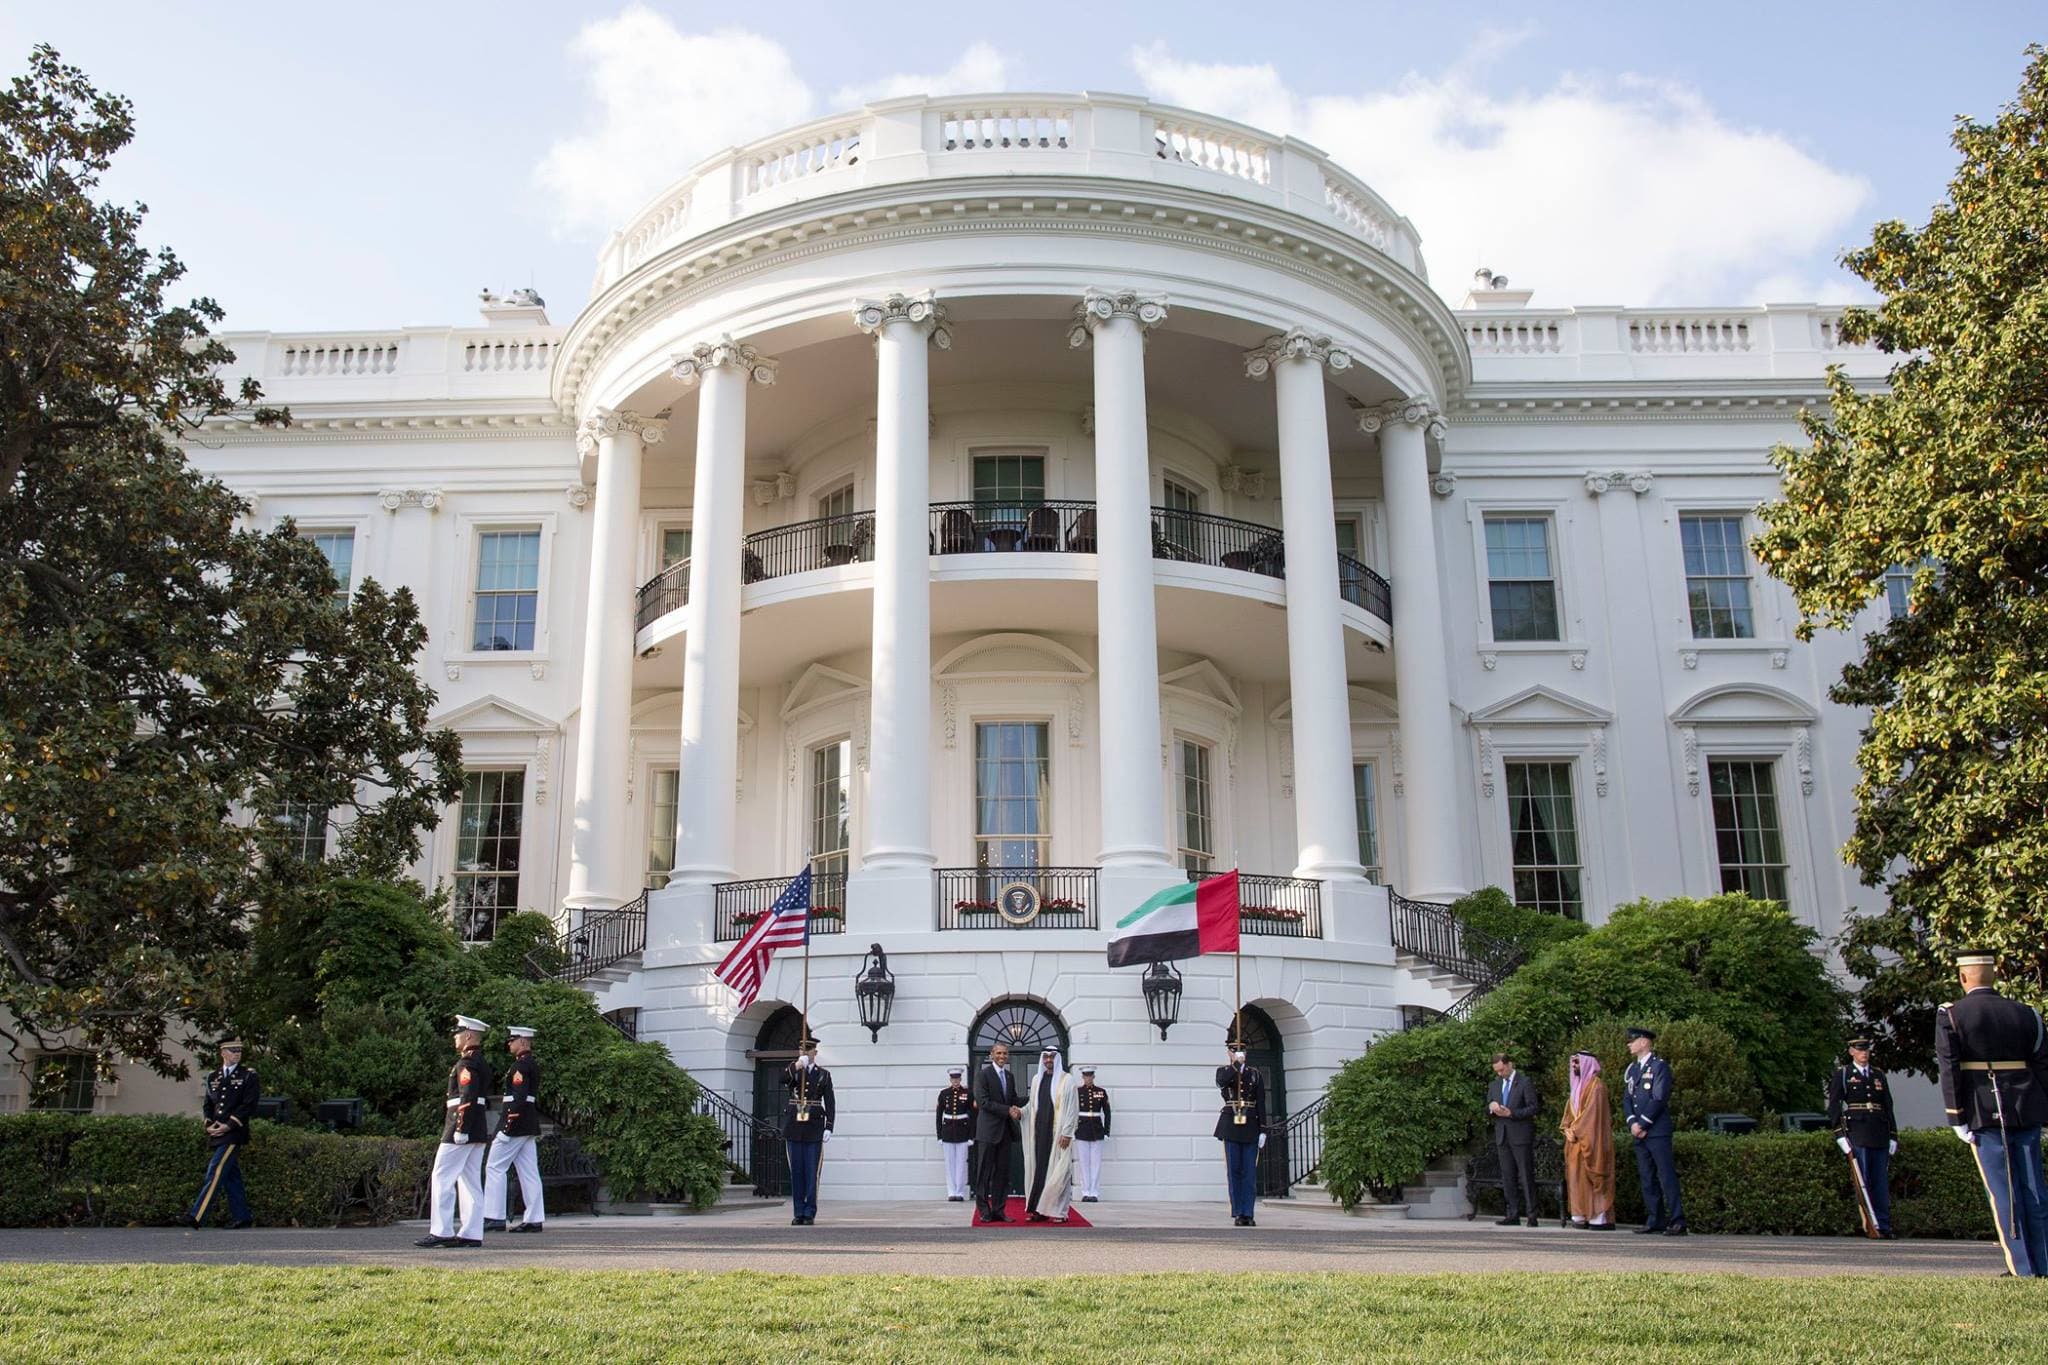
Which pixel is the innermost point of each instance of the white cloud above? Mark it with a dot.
(1629, 190)
(980, 68)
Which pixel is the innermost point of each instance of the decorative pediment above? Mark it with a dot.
(1744, 704)
(493, 714)
(821, 685)
(1539, 705)
(1204, 682)
(1012, 656)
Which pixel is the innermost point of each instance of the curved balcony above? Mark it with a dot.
(1037, 527)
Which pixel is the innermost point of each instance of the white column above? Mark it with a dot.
(1421, 675)
(711, 653)
(602, 871)
(899, 821)
(1325, 818)
(1127, 637)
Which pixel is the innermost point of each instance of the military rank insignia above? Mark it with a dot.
(465, 1075)
(518, 1078)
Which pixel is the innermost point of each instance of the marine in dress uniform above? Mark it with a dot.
(806, 1127)
(1646, 1107)
(231, 1095)
(465, 1128)
(1860, 1112)
(1241, 1128)
(1093, 1102)
(955, 1119)
(1994, 1082)
(517, 1145)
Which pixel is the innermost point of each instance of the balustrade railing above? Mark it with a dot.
(603, 939)
(1006, 127)
(509, 356)
(974, 898)
(964, 528)
(1275, 907)
(1688, 335)
(822, 543)
(753, 1149)
(1361, 587)
(1213, 149)
(1513, 336)
(820, 151)
(738, 906)
(1430, 931)
(340, 358)
(667, 591)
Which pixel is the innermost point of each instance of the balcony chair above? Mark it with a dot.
(956, 532)
(1041, 531)
(1081, 537)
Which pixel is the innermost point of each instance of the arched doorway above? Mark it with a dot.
(773, 1050)
(1264, 1054)
(1028, 1027)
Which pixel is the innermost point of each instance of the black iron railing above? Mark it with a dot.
(1294, 1149)
(973, 898)
(626, 1021)
(752, 1148)
(1275, 907)
(1361, 587)
(977, 528)
(739, 905)
(667, 591)
(1221, 542)
(603, 938)
(1428, 930)
(823, 543)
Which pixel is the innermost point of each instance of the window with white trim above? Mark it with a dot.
(1012, 794)
(837, 503)
(675, 545)
(487, 842)
(340, 548)
(1012, 479)
(63, 1083)
(1717, 587)
(305, 830)
(1197, 824)
(1543, 838)
(1521, 582)
(661, 829)
(507, 589)
(1749, 841)
(1363, 792)
(831, 808)
(1182, 504)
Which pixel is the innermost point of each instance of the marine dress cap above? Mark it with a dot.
(954, 1071)
(518, 1032)
(464, 1022)
(1636, 1033)
(1087, 1071)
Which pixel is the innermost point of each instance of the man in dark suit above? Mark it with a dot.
(1646, 1105)
(996, 1112)
(1241, 1128)
(1511, 1099)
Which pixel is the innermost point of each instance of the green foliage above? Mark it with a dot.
(1742, 965)
(1707, 1074)
(1510, 930)
(69, 1169)
(1946, 464)
(519, 937)
(162, 670)
(353, 994)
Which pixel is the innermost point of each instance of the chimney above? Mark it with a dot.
(520, 308)
(1490, 292)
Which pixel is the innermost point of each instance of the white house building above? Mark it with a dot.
(1071, 491)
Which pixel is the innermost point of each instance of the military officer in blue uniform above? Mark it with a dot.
(1646, 1105)
(1241, 1128)
(806, 1127)
(1994, 1081)
(231, 1095)
(1860, 1111)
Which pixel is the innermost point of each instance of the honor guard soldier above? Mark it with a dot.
(956, 1133)
(231, 1095)
(1860, 1111)
(1093, 1102)
(465, 1128)
(1241, 1128)
(1646, 1107)
(1994, 1081)
(517, 1144)
(806, 1128)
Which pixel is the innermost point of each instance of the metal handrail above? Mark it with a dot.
(1428, 930)
(1022, 526)
(1275, 907)
(1361, 587)
(1301, 1135)
(603, 940)
(753, 1148)
(820, 543)
(736, 905)
(966, 897)
(667, 591)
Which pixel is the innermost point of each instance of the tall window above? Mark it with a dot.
(1012, 792)
(1544, 836)
(675, 545)
(1716, 577)
(1181, 503)
(1011, 479)
(305, 829)
(837, 503)
(1350, 536)
(831, 807)
(487, 850)
(1197, 813)
(661, 834)
(507, 589)
(63, 1083)
(340, 549)
(1362, 792)
(1521, 586)
(1749, 842)
(1898, 585)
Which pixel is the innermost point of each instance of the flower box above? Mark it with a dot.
(1278, 914)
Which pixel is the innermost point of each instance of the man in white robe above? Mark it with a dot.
(1049, 1121)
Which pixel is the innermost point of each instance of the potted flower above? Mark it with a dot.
(1272, 914)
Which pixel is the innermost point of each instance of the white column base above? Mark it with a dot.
(1356, 911)
(680, 915)
(890, 900)
(1120, 890)
(592, 904)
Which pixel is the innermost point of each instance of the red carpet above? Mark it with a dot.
(1019, 1217)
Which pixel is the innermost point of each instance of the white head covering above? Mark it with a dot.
(463, 1021)
(517, 1032)
(1059, 1072)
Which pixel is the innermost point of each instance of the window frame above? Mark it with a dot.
(813, 751)
(310, 530)
(462, 603)
(656, 772)
(1560, 516)
(1366, 803)
(1752, 597)
(1184, 850)
(520, 872)
(1547, 525)
(979, 452)
(1576, 869)
(1719, 758)
(65, 1055)
(298, 839)
(1049, 785)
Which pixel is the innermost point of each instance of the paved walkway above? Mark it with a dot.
(935, 1239)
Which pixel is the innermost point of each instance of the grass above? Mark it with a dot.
(329, 1314)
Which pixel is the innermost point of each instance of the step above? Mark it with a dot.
(1383, 1211)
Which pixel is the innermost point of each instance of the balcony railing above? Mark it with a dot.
(1275, 907)
(1428, 930)
(739, 905)
(973, 898)
(966, 528)
(1361, 587)
(604, 939)
(667, 591)
(823, 543)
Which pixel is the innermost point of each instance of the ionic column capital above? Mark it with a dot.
(1415, 412)
(603, 422)
(1295, 344)
(922, 311)
(724, 353)
(1098, 306)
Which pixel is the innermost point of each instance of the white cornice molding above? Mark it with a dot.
(364, 430)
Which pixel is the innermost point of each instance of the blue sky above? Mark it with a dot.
(370, 165)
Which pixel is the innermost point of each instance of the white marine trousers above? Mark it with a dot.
(458, 1167)
(1088, 1164)
(521, 1154)
(956, 1168)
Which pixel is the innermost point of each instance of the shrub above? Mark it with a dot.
(80, 1169)
(1517, 932)
(1707, 1075)
(518, 937)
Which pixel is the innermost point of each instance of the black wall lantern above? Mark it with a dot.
(1162, 983)
(874, 988)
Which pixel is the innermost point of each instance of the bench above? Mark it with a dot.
(1482, 1172)
(564, 1165)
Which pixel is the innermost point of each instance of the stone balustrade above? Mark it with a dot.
(507, 368)
(1777, 341)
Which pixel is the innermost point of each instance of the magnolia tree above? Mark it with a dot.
(1942, 474)
(169, 679)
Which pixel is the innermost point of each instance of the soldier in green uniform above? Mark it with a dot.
(955, 1119)
(465, 1128)
(1093, 1102)
(1860, 1111)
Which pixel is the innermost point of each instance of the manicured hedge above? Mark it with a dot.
(1798, 1184)
(69, 1169)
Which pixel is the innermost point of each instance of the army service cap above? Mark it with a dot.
(1860, 1044)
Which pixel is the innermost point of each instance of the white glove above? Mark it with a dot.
(1894, 1148)
(461, 1138)
(1262, 1142)
(1965, 1134)
(828, 1135)
(1843, 1143)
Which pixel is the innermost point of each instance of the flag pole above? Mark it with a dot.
(804, 1026)
(1237, 1023)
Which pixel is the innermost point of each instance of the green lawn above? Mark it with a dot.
(231, 1314)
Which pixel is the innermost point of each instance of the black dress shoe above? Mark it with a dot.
(1507, 1222)
(463, 1242)
(192, 1223)
(796, 1222)
(1647, 1229)
(431, 1241)
(244, 1223)
(1037, 1217)
(526, 1227)
(809, 1219)
(1602, 1227)
(1250, 1221)
(998, 1218)
(494, 1225)
(1534, 1223)
(1089, 1199)
(1237, 1220)
(956, 1199)
(1676, 1230)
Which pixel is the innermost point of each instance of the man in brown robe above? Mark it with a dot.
(1589, 1147)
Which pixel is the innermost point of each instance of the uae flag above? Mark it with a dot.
(1181, 921)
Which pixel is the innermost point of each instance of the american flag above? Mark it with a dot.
(787, 924)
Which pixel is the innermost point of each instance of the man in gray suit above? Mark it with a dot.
(996, 1111)
(1511, 1099)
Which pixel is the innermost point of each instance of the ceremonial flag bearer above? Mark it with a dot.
(956, 1133)
(459, 1160)
(1994, 1080)
(517, 1143)
(1241, 1128)
(806, 1127)
(1089, 1135)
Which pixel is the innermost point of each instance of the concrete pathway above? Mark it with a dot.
(935, 1239)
